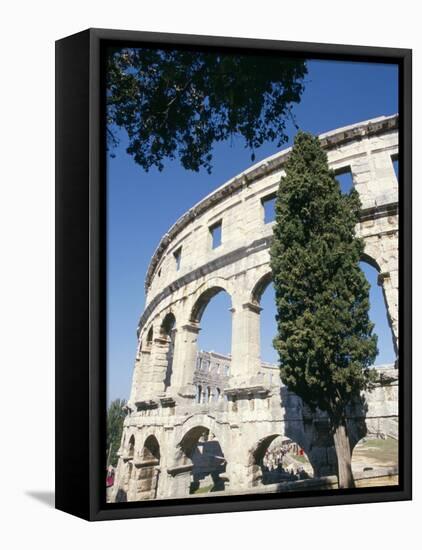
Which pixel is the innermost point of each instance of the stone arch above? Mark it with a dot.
(370, 260)
(258, 450)
(204, 421)
(131, 447)
(151, 449)
(260, 287)
(190, 439)
(150, 434)
(373, 263)
(203, 311)
(203, 300)
(145, 340)
(288, 462)
(167, 335)
(167, 325)
(149, 336)
(144, 482)
(265, 317)
(201, 451)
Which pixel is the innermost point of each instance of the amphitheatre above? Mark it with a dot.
(238, 404)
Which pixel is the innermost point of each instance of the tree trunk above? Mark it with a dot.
(344, 457)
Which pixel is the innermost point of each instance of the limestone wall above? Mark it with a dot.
(257, 407)
(242, 261)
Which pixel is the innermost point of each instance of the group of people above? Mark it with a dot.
(274, 465)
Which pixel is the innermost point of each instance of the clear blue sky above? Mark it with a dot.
(142, 206)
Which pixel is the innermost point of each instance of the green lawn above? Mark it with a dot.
(377, 450)
(200, 490)
(301, 459)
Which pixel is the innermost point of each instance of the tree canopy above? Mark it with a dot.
(325, 338)
(115, 418)
(179, 103)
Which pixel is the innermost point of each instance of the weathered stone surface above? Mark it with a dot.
(254, 406)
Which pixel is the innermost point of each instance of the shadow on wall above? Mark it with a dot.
(208, 464)
(203, 452)
(312, 430)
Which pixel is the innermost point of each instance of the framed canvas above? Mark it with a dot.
(233, 274)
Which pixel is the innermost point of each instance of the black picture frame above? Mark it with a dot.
(81, 277)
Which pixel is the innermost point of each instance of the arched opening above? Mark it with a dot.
(378, 313)
(263, 295)
(268, 326)
(147, 470)
(167, 332)
(200, 448)
(203, 301)
(375, 461)
(260, 288)
(150, 336)
(278, 459)
(212, 314)
(131, 447)
(151, 450)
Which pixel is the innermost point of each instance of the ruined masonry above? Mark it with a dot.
(166, 418)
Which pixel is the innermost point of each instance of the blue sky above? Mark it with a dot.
(141, 206)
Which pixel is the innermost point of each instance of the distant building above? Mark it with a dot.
(212, 375)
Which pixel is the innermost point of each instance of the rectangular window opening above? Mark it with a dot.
(268, 205)
(216, 234)
(345, 179)
(178, 257)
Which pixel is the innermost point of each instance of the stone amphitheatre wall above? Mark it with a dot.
(186, 272)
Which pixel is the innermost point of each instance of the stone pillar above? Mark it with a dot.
(168, 379)
(389, 282)
(238, 467)
(184, 362)
(252, 338)
(124, 482)
(177, 483)
(119, 493)
(144, 482)
(158, 366)
(384, 181)
(374, 177)
(238, 351)
(245, 343)
(141, 376)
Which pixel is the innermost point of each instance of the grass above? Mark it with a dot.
(301, 459)
(205, 489)
(377, 451)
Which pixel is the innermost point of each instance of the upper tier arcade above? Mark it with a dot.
(187, 268)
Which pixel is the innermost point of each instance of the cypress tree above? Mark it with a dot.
(325, 339)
